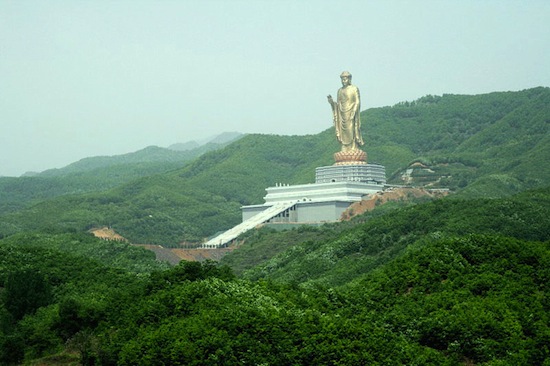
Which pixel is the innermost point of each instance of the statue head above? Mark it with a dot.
(345, 73)
(346, 78)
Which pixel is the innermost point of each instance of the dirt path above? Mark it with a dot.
(392, 194)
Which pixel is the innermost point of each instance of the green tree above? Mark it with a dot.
(25, 291)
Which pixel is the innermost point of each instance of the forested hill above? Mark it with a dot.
(464, 280)
(334, 255)
(494, 143)
(152, 154)
(100, 173)
(450, 282)
(487, 145)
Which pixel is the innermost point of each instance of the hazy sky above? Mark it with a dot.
(88, 78)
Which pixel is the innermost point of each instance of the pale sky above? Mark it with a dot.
(89, 78)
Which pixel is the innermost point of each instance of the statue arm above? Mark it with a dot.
(357, 104)
(357, 118)
(331, 102)
(334, 107)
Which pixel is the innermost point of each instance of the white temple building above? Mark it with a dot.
(336, 187)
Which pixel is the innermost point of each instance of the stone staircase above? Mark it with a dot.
(264, 216)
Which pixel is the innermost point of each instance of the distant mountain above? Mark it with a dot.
(184, 146)
(98, 173)
(223, 138)
(490, 145)
(147, 155)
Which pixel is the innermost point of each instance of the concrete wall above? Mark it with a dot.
(302, 212)
(366, 173)
(321, 192)
(249, 211)
(321, 211)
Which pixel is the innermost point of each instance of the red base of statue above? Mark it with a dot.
(353, 157)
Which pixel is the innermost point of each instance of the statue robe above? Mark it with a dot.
(347, 119)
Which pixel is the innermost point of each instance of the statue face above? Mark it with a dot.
(346, 80)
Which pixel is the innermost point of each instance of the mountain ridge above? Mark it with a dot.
(148, 154)
(99, 173)
(447, 134)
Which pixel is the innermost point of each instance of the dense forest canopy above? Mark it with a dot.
(466, 283)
